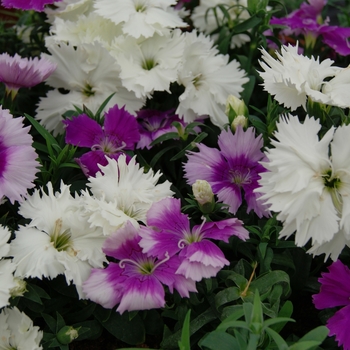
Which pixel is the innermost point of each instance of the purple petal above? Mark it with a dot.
(241, 144)
(224, 229)
(207, 164)
(83, 131)
(196, 270)
(120, 124)
(89, 162)
(166, 215)
(338, 325)
(335, 287)
(336, 38)
(142, 294)
(230, 195)
(105, 286)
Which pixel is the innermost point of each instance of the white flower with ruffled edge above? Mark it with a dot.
(17, 331)
(122, 192)
(309, 190)
(57, 240)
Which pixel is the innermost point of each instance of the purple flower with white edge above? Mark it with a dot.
(37, 5)
(154, 123)
(136, 281)
(335, 291)
(17, 72)
(119, 133)
(233, 169)
(18, 164)
(168, 230)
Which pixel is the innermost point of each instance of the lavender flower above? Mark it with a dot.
(169, 231)
(335, 291)
(232, 169)
(136, 281)
(18, 163)
(17, 72)
(37, 5)
(119, 133)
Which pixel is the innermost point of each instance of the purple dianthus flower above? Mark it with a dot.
(37, 5)
(119, 133)
(233, 169)
(335, 291)
(168, 230)
(136, 281)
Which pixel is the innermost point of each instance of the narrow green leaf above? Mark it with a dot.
(281, 344)
(219, 340)
(50, 321)
(184, 343)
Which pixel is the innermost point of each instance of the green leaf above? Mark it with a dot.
(190, 146)
(305, 345)
(165, 137)
(219, 340)
(35, 293)
(265, 282)
(50, 321)
(184, 344)
(227, 295)
(129, 331)
(318, 334)
(281, 344)
(160, 154)
(251, 22)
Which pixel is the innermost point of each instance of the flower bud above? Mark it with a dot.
(239, 120)
(235, 107)
(204, 195)
(19, 289)
(67, 334)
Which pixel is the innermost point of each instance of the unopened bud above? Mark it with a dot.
(67, 334)
(235, 107)
(239, 120)
(202, 192)
(19, 289)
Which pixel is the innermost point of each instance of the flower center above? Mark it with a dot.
(149, 63)
(88, 90)
(109, 146)
(333, 183)
(147, 266)
(61, 241)
(240, 177)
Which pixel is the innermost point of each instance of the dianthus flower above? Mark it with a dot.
(119, 133)
(121, 191)
(307, 20)
(231, 170)
(17, 72)
(136, 281)
(17, 331)
(155, 123)
(293, 79)
(58, 240)
(37, 5)
(18, 163)
(308, 187)
(7, 268)
(168, 230)
(335, 291)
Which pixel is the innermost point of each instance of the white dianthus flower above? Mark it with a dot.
(309, 189)
(208, 79)
(58, 240)
(122, 192)
(292, 77)
(141, 17)
(89, 74)
(17, 331)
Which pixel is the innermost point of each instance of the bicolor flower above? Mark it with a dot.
(307, 183)
(136, 281)
(168, 230)
(335, 292)
(18, 164)
(118, 133)
(17, 72)
(232, 170)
